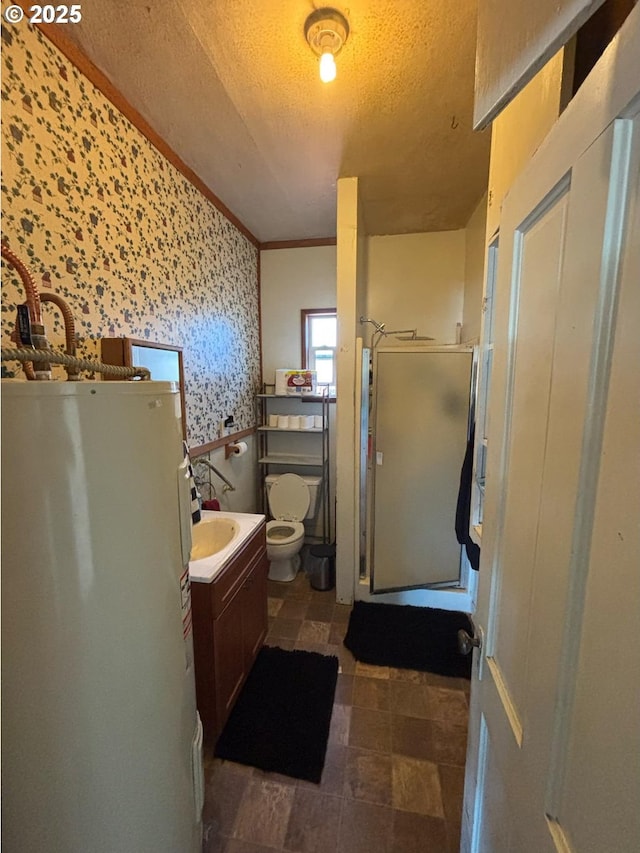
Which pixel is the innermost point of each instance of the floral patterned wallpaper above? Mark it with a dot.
(101, 218)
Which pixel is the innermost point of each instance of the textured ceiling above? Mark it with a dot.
(233, 88)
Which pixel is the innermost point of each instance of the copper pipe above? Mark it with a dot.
(73, 374)
(69, 322)
(33, 298)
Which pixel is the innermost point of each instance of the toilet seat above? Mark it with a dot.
(284, 532)
(289, 498)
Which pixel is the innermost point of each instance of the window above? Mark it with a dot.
(319, 342)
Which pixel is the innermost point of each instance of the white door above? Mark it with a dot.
(554, 741)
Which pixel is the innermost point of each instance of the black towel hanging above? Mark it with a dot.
(463, 509)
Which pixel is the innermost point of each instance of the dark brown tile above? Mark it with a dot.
(233, 845)
(368, 776)
(314, 823)
(280, 643)
(347, 660)
(370, 729)
(318, 611)
(365, 828)
(333, 772)
(291, 609)
(454, 831)
(264, 812)
(337, 632)
(412, 737)
(284, 629)
(446, 681)
(408, 699)
(224, 788)
(298, 589)
(275, 589)
(449, 742)
(415, 833)
(452, 785)
(446, 704)
(212, 841)
(342, 612)
(326, 596)
(371, 693)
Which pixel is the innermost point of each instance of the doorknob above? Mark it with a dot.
(467, 643)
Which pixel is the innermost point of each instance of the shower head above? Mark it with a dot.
(379, 327)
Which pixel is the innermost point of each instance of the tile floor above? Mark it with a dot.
(394, 770)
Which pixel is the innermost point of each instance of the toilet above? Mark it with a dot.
(291, 499)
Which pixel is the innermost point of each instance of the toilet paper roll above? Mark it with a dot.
(273, 420)
(317, 421)
(283, 422)
(294, 422)
(239, 448)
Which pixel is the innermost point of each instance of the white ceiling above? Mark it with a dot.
(233, 88)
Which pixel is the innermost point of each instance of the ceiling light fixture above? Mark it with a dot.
(326, 30)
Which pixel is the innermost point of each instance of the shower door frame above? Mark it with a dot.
(465, 581)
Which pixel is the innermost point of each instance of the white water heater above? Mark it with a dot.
(101, 741)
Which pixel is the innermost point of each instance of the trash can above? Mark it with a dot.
(322, 566)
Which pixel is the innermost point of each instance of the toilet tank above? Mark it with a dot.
(314, 484)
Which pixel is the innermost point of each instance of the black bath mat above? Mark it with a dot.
(408, 637)
(281, 720)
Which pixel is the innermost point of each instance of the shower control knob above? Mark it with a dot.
(467, 643)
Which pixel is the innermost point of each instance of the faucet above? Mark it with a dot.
(202, 460)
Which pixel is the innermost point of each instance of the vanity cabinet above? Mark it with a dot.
(229, 627)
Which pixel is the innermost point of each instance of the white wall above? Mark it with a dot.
(417, 281)
(474, 272)
(292, 279)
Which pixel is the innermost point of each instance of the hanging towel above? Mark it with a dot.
(195, 503)
(463, 510)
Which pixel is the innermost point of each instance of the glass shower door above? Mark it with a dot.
(421, 421)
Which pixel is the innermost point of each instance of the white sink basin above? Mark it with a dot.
(211, 535)
(216, 539)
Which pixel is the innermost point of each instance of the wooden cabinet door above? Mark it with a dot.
(229, 658)
(254, 611)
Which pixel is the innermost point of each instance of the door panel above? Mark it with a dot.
(537, 269)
